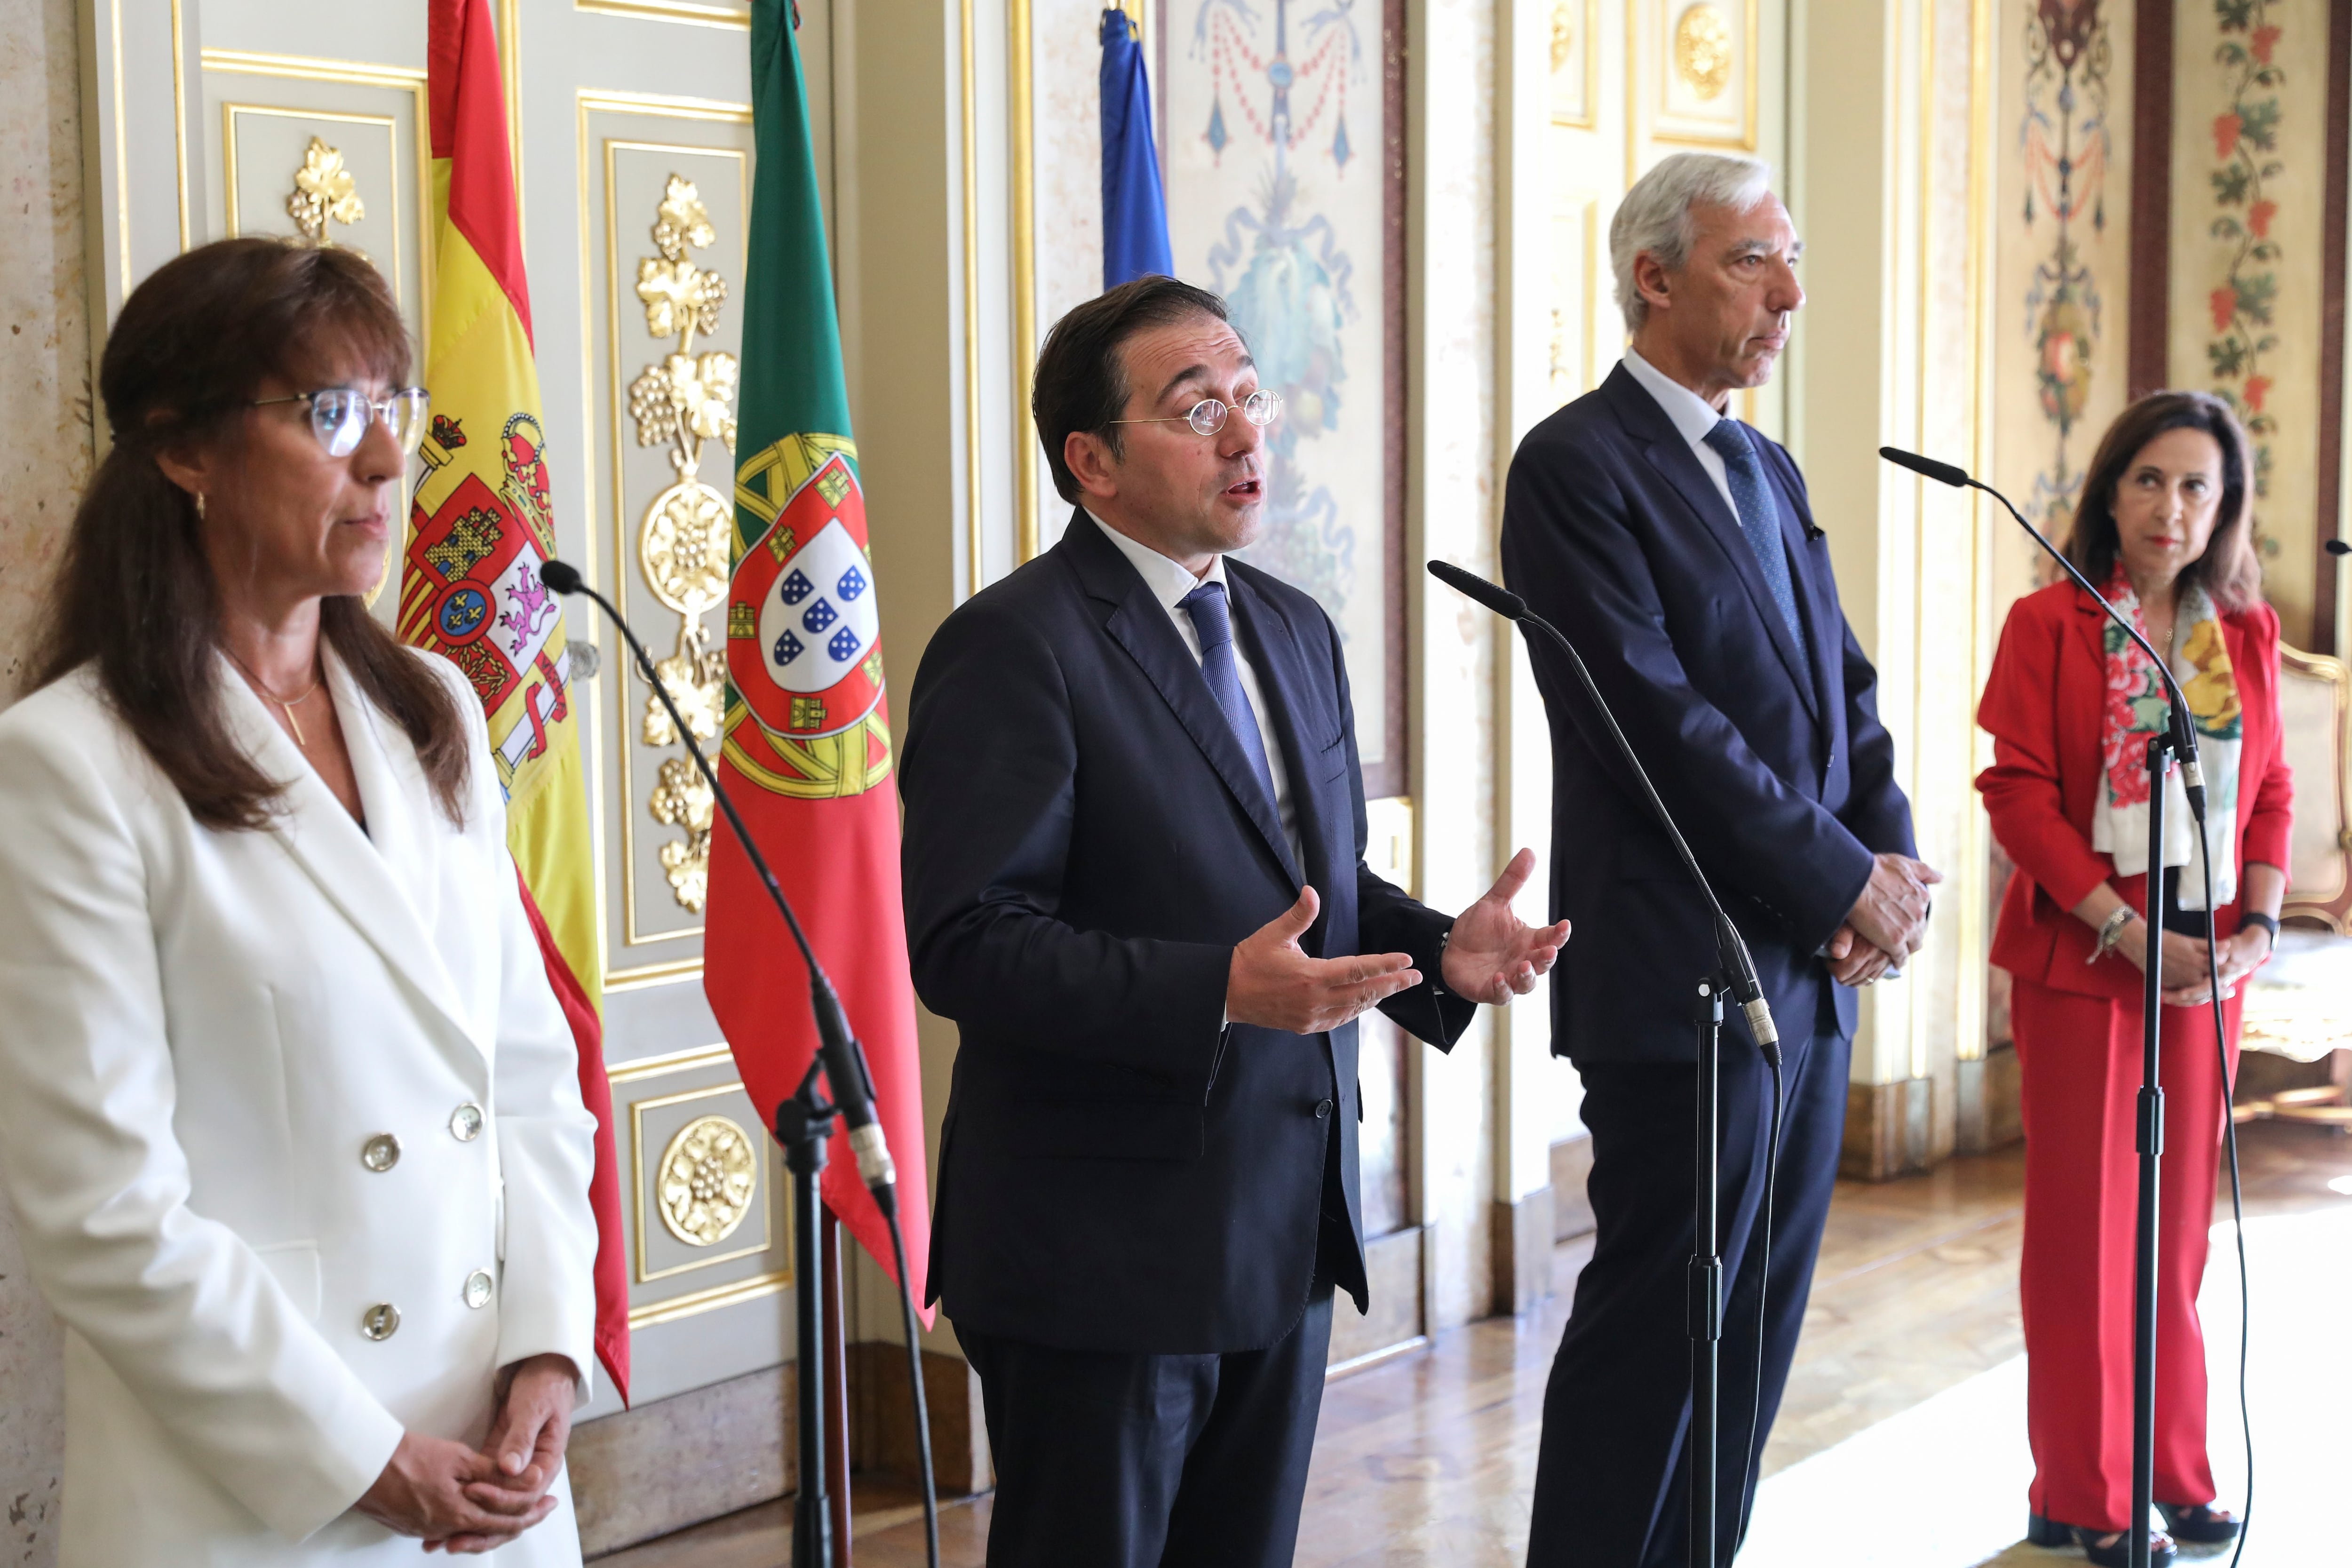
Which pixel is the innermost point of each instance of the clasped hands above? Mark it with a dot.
(463, 1500)
(1492, 956)
(2186, 979)
(1888, 923)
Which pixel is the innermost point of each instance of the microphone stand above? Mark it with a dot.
(802, 1125)
(2176, 743)
(1735, 973)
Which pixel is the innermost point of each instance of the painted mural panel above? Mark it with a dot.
(1274, 148)
(2248, 181)
(2063, 269)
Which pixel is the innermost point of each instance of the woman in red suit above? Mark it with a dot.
(2163, 526)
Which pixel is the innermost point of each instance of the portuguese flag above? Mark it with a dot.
(807, 752)
(482, 523)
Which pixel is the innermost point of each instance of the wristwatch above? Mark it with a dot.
(2268, 923)
(2111, 931)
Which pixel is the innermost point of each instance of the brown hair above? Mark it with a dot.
(2228, 570)
(1081, 386)
(134, 594)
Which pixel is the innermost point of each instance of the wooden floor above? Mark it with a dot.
(1431, 1460)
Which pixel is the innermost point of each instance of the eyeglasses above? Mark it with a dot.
(1207, 416)
(340, 416)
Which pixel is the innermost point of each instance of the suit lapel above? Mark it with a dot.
(1138, 624)
(354, 869)
(1671, 456)
(2091, 624)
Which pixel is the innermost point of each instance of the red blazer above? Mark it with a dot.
(2043, 706)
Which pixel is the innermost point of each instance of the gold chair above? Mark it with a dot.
(2299, 1005)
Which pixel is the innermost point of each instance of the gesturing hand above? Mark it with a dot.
(1891, 913)
(427, 1490)
(1272, 982)
(1493, 955)
(525, 1448)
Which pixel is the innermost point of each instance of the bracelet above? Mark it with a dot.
(2268, 923)
(2111, 932)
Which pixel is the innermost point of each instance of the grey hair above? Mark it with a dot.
(1655, 214)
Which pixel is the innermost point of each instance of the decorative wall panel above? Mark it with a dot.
(2248, 200)
(368, 125)
(666, 187)
(1574, 29)
(2063, 270)
(1693, 67)
(1277, 198)
(705, 1216)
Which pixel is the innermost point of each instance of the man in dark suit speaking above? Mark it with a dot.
(1135, 880)
(1674, 545)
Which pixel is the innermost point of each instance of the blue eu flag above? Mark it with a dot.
(1135, 214)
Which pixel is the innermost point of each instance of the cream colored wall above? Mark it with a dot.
(1450, 504)
(44, 389)
(1889, 349)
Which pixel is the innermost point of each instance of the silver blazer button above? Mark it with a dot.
(465, 1122)
(477, 1288)
(381, 1153)
(380, 1322)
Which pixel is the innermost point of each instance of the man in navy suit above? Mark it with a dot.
(1674, 546)
(1135, 880)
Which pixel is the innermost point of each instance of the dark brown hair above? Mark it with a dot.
(1081, 385)
(134, 594)
(2228, 570)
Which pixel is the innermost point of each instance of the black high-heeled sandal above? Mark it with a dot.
(2116, 1553)
(2200, 1523)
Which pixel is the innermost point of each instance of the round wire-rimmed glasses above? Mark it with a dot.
(1207, 416)
(340, 416)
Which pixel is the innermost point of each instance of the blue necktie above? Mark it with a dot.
(1760, 518)
(1206, 606)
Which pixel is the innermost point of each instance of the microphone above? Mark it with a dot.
(1494, 595)
(1942, 473)
(2337, 547)
(837, 1048)
(2184, 734)
(1730, 948)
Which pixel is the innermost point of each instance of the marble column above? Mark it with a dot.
(44, 408)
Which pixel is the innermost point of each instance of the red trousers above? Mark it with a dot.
(2079, 1061)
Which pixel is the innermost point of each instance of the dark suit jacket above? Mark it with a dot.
(1770, 758)
(1085, 843)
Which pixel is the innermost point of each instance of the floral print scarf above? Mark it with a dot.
(2136, 708)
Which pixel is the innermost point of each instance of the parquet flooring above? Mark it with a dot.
(1431, 1460)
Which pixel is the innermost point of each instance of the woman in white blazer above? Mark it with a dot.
(287, 1110)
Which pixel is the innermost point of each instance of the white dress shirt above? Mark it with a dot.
(1692, 419)
(1170, 581)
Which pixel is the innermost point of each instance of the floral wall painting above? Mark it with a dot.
(2064, 138)
(2248, 240)
(1274, 115)
(2246, 144)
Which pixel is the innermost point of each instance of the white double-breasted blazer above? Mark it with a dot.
(292, 1124)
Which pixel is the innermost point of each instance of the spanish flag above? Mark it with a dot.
(482, 523)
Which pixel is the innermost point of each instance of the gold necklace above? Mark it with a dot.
(285, 704)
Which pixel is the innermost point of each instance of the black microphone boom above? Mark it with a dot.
(1942, 473)
(1731, 949)
(2184, 732)
(837, 1047)
(2337, 547)
(801, 1124)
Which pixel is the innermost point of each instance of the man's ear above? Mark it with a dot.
(1652, 281)
(1091, 463)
